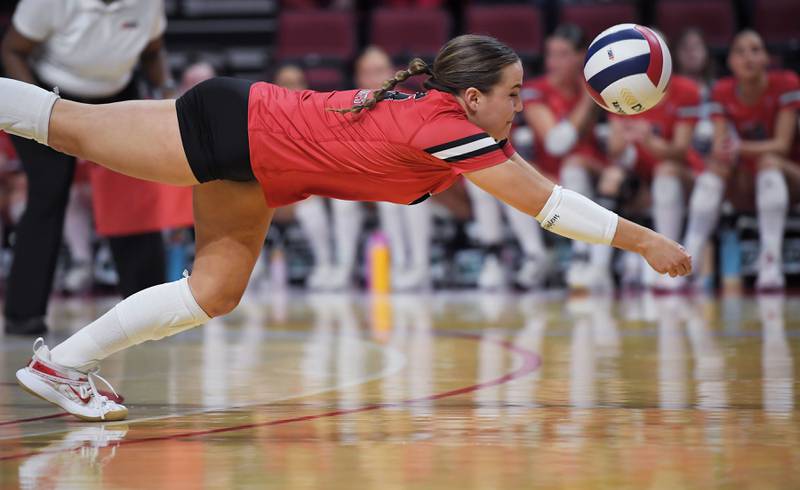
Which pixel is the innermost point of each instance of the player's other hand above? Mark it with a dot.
(666, 256)
(727, 151)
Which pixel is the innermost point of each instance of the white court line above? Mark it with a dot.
(396, 362)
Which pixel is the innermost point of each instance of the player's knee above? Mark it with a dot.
(216, 296)
(222, 303)
(667, 189)
(667, 168)
(769, 161)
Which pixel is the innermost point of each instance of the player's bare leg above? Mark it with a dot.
(136, 138)
(229, 239)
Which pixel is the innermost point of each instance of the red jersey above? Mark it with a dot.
(681, 104)
(756, 121)
(404, 149)
(541, 91)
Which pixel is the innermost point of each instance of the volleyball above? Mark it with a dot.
(627, 69)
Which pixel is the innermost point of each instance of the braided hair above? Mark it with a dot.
(416, 67)
(465, 61)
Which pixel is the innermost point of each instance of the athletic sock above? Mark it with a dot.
(419, 228)
(486, 211)
(347, 227)
(313, 219)
(703, 215)
(527, 231)
(25, 109)
(600, 255)
(772, 201)
(150, 314)
(392, 226)
(668, 206)
(577, 178)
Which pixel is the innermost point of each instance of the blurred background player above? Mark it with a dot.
(656, 148)
(408, 228)
(313, 217)
(754, 149)
(79, 47)
(562, 116)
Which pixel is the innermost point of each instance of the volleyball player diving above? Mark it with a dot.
(248, 148)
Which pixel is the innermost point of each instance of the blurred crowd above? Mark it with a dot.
(723, 144)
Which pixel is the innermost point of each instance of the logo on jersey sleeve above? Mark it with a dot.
(361, 97)
(396, 95)
(464, 148)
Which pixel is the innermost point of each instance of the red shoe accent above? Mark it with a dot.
(43, 368)
(111, 396)
(38, 366)
(84, 400)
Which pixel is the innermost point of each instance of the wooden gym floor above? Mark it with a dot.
(445, 390)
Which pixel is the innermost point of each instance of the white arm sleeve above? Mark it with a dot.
(561, 139)
(572, 215)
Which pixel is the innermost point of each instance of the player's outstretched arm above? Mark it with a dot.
(572, 215)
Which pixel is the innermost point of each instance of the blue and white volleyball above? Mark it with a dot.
(627, 69)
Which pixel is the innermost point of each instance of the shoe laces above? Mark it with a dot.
(87, 389)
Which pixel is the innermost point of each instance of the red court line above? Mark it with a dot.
(531, 362)
(33, 419)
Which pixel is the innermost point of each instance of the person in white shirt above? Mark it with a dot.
(88, 50)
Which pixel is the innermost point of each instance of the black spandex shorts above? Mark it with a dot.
(212, 118)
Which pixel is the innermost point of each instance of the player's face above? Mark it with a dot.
(292, 78)
(494, 111)
(692, 54)
(748, 58)
(562, 60)
(373, 69)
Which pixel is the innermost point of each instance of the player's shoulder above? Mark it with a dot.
(782, 80)
(683, 83)
(724, 88)
(436, 105)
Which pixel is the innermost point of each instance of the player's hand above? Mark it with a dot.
(727, 151)
(667, 256)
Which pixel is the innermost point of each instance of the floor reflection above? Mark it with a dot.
(343, 391)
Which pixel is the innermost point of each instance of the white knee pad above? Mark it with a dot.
(313, 219)
(772, 194)
(25, 109)
(487, 214)
(391, 222)
(707, 194)
(668, 206)
(667, 191)
(572, 215)
(347, 218)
